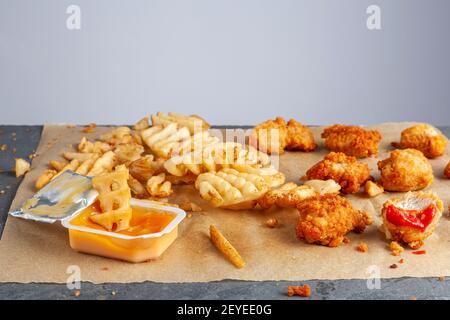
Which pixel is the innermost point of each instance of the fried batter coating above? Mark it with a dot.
(447, 171)
(352, 140)
(345, 170)
(412, 218)
(274, 136)
(405, 170)
(425, 138)
(288, 195)
(326, 220)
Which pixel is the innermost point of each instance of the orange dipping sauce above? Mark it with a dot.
(143, 221)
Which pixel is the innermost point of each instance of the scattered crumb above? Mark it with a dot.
(89, 128)
(77, 293)
(189, 206)
(419, 252)
(14, 150)
(393, 266)
(32, 156)
(362, 247)
(113, 293)
(396, 248)
(2, 191)
(346, 240)
(3, 147)
(189, 215)
(302, 291)
(372, 189)
(104, 269)
(272, 222)
(441, 278)
(412, 298)
(22, 167)
(401, 261)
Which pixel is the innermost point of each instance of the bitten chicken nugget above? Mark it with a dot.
(425, 138)
(412, 218)
(327, 219)
(352, 140)
(274, 136)
(345, 170)
(405, 170)
(447, 171)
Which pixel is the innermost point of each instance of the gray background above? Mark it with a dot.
(232, 61)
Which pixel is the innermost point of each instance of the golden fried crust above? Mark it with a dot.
(352, 140)
(345, 170)
(425, 138)
(327, 219)
(416, 201)
(405, 170)
(263, 134)
(299, 137)
(291, 136)
(447, 171)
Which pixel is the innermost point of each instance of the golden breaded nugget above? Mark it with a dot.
(299, 137)
(412, 218)
(270, 136)
(405, 170)
(345, 170)
(352, 140)
(425, 138)
(225, 247)
(327, 219)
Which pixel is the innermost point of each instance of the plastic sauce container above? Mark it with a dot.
(152, 230)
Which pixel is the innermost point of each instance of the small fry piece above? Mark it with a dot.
(157, 186)
(225, 247)
(89, 128)
(302, 291)
(57, 165)
(45, 178)
(372, 189)
(22, 167)
(141, 124)
(396, 248)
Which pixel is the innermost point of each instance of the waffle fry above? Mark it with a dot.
(193, 122)
(231, 189)
(127, 153)
(217, 156)
(114, 197)
(157, 186)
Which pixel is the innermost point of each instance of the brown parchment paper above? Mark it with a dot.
(39, 252)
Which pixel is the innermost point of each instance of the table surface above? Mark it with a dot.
(23, 140)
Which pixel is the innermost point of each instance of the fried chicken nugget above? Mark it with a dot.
(274, 136)
(447, 171)
(412, 218)
(405, 170)
(326, 219)
(345, 170)
(425, 138)
(352, 140)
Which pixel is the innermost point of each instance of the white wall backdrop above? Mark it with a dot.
(231, 61)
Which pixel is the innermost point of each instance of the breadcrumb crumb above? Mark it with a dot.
(89, 128)
(77, 293)
(362, 247)
(396, 248)
(272, 222)
(302, 291)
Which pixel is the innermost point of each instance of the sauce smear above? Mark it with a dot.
(411, 218)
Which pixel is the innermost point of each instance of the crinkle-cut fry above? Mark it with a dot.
(273, 177)
(137, 188)
(146, 167)
(157, 186)
(372, 189)
(141, 124)
(324, 186)
(193, 122)
(162, 140)
(214, 157)
(45, 178)
(87, 165)
(114, 197)
(288, 195)
(86, 146)
(103, 164)
(230, 188)
(129, 152)
(57, 165)
(80, 156)
(22, 166)
(224, 246)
